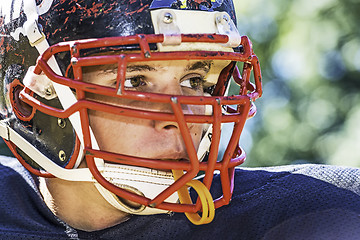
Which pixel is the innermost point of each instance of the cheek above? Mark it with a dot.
(197, 131)
(109, 130)
(121, 134)
(131, 136)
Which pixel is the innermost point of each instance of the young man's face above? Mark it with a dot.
(144, 137)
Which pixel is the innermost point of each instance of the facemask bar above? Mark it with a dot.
(233, 154)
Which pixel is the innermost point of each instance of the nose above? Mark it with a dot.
(180, 138)
(172, 88)
(170, 125)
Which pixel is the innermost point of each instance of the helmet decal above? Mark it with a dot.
(208, 5)
(112, 18)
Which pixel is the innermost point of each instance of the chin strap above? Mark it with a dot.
(207, 203)
(142, 181)
(149, 183)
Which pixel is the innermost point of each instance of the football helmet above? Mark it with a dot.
(45, 46)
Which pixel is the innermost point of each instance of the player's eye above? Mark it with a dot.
(134, 82)
(195, 82)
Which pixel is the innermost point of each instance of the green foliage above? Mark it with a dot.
(310, 58)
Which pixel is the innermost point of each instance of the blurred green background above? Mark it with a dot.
(309, 52)
(310, 57)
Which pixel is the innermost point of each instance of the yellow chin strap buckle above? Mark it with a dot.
(207, 203)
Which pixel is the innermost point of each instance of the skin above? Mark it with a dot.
(79, 203)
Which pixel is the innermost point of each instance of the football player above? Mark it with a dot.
(116, 109)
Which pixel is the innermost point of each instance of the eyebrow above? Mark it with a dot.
(140, 68)
(202, 65)
(199, 65)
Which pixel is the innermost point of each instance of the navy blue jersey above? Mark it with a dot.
(289, 202)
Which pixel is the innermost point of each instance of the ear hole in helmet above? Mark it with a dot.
(22, 110)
